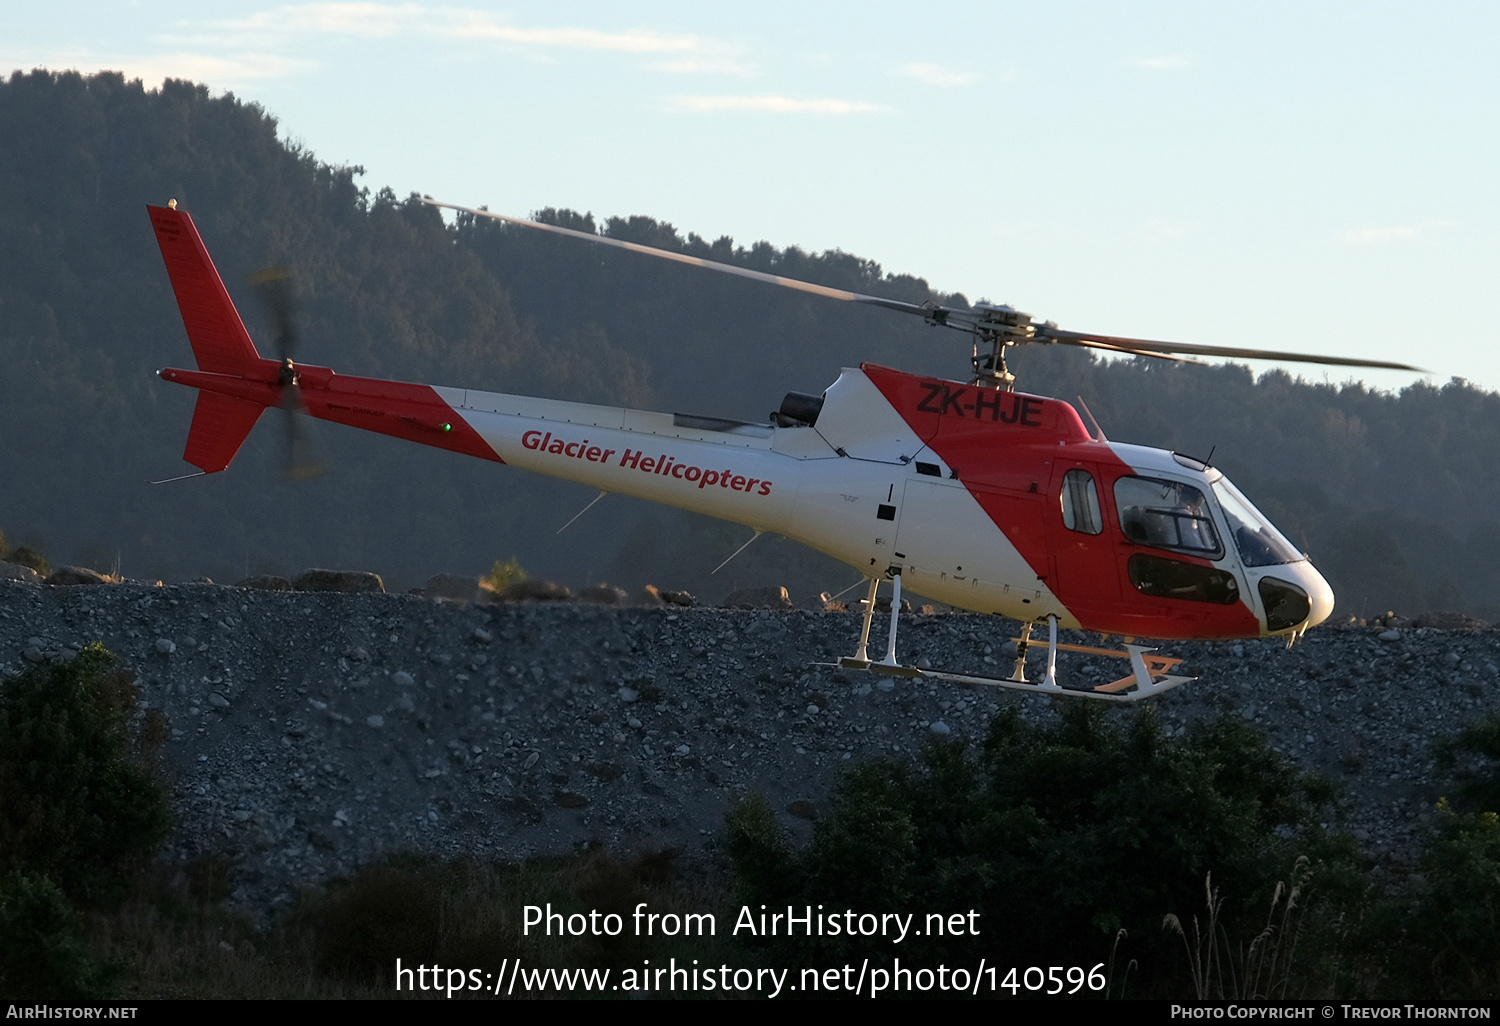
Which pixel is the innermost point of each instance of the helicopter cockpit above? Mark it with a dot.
(1171, 514)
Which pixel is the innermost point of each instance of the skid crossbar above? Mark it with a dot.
(1149, 674)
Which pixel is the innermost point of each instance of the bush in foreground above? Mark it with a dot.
(1057, 836)
(77, 803)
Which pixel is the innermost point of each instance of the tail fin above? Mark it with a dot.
(221, 423)
(215, 331)
(218, 337)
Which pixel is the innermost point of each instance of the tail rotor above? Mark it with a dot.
(275, 287)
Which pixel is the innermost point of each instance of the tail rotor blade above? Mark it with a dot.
(302, 460)
(275, 287)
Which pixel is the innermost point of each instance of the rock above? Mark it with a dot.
(535, 591)
(71, 575)
(218, 701)
(1390, 635)
(338, 580)
(940, 728)
(628, 695)
(481, 636)
(758, 598)
(604, 771)
(452, 588)
(266, 582)
(679, 598)
(377, 721)
(402, 679)
(604, 594)
(1449, 622)
(17, 572)
(166, 646)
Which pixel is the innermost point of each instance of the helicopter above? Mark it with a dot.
(970, 493)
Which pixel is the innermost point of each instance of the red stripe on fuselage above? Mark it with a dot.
(1010, 450)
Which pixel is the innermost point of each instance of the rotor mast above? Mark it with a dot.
(997, 327)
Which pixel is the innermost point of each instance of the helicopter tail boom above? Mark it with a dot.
(236, 384)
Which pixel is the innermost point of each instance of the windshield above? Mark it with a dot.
(1259, 543)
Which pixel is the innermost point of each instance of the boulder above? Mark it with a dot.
(535, 591)
(70, 575)
(827, 603)
(759, 598)
(605, 595)
(17, 572)
(338, 580)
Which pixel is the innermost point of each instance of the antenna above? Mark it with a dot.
(1098, 431)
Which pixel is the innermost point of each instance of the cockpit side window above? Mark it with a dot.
(1167, 515)
(1080, 503)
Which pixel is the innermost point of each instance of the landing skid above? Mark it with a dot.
(1149, 674)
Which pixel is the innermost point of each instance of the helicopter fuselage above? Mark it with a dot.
(987, 500)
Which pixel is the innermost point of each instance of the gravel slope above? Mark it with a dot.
(313, 731)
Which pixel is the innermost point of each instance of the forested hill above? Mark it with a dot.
(1394, 495)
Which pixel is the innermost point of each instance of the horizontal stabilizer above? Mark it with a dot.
(215, 331)
(220, 425)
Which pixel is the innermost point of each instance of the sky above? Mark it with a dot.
(1309, 176)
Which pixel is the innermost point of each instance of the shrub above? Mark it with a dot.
(41, 947)
(1456, 919)
(1056, 836)
(76, 807)
(1474, 757)
(503, 575)
(30, 557)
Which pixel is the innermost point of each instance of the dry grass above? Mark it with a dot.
(1222, 970)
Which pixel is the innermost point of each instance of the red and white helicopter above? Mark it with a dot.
(974, 494)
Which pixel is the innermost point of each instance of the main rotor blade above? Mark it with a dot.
(937, 315)
(1147, 347)
(1110, 347)
(979, 320)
